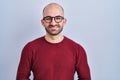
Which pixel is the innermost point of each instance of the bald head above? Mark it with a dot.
(53, 9)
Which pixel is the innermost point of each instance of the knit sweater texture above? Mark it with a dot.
(53, 61)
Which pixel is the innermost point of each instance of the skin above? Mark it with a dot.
(53, 29)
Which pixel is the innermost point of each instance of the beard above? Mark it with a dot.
(56, 32)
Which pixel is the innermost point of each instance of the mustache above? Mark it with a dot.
(53, 25)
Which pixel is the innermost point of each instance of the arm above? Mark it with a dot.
(24, 67)
(82, 67)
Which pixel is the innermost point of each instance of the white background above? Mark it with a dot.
(95, 24)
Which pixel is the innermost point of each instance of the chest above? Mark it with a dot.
(51, 58)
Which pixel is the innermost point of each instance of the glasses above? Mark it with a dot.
(57, 19)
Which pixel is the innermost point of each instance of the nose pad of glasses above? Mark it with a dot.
(53, 21)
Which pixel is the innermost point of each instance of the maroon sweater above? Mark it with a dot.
(53, 61)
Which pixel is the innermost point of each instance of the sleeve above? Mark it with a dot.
(24, 68)
(82, 66)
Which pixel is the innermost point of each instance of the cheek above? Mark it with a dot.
(45, 24)
(62, 24)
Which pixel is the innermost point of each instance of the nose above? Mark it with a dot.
(53, 22)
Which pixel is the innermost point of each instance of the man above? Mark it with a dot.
(53, 56)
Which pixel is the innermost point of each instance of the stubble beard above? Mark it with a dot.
(54, 34)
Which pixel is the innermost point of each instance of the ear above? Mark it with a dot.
(42, 22)
(64, 21)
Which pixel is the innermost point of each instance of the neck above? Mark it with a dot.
(54, 39)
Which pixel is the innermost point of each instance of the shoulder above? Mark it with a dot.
(73, 43)
(35, 43)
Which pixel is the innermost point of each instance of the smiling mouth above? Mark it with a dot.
(53, 29)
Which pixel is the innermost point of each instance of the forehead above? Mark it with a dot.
(53, 10)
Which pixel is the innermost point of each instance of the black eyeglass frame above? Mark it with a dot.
(51, 18)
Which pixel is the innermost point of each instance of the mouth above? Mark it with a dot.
(53, 28)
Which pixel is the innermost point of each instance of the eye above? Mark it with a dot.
(47, 18)
(58, 17)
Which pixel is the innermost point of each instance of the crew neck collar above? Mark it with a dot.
(54, 43)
